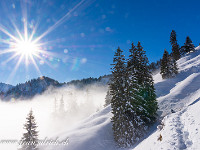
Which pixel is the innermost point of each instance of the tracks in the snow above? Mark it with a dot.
(180, 136)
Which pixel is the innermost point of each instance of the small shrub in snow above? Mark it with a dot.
(160, 138)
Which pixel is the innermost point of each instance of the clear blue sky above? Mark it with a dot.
(83, 43)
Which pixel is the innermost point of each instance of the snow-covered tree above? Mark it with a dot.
(164, 69)
(62, 106)
(134, 99)
(188, 46)
(169, 67)
(133, 102)
(29, 140)
(175, 47)
(121, 124)
(108, 98)
(145, 93)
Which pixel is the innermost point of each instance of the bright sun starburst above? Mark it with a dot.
(27, 46)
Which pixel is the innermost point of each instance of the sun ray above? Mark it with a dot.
(50, 29)
(11, 58)
(9, 34)
(7, 51)
(26, 46)
(15, 69)
(36, 66)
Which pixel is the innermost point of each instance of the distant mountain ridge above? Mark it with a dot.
(30, 88)
(37, 86)
(5, 87)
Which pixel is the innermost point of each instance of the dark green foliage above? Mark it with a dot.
(146, 87)
(188, 46)
(175, 47)
(164, 69)
(29, 140)
(117, 89)
(154, 66)
(83, 82)
(169, 67)
(133, 102)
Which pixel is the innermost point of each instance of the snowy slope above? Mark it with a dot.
(177, 92)
(180, 130)
(93, 133)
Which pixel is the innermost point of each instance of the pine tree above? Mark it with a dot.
(173, 67)
(169, 67)
(30, 138)
(134, 100)
(62, 106)
(121, 123)
(108, 98)
(148, 103)
(175, 47)
(188, 46)
(164, 69)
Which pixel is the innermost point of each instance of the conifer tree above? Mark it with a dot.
(29, 140)
(148, 102)
(164, 69)
(62, 106)
(134, 100)
(173, 67)
(175, 47)
(169, 67)
(122, 126)
(188, 46)
(108, 98)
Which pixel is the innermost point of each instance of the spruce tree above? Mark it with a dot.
(164, 69)
(173, 67)
(148, 103)
(188, 46)
(175, 47)
(169, 67)
(122, 126)
(62, 106)
(134, 100)
(108, 98)
(29, 140)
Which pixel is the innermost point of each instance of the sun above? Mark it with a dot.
(26, 47)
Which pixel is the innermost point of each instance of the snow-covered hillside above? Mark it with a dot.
(180, 130)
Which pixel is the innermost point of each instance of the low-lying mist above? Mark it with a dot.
(56, 110)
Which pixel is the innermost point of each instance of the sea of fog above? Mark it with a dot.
(78, 104)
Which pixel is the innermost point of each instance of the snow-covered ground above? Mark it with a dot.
(180, 129)
(86, 129)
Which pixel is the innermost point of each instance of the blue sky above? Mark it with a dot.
(83, 43)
